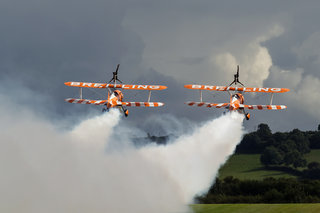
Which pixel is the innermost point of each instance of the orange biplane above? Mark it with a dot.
(236, 99)
(115, 96)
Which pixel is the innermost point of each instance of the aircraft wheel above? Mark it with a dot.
(126, 112)
(104, 109)
(247, 116)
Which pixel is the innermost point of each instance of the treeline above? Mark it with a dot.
(285, 149)
(256, 142)
(269, 190)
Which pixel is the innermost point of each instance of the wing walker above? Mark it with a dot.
(115, 95)
(236, 102)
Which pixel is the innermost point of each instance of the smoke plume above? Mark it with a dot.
(45, 169)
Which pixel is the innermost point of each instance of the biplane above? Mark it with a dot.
(115, 95)
(236, 98)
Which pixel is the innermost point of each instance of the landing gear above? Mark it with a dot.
(126, 112)
(247, 115)
(105, 110)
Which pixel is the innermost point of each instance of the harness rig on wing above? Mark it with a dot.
(115, 95)
(237, 98)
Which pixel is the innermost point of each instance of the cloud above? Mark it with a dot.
(44, 44)
(254, 60)
(308, 53)
(303, 95)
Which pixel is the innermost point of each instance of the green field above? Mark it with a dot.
(314, 155)
(248, 166)
(254, 208)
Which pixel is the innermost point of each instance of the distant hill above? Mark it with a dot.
(281, 167)
(248, 166)
(263, 154)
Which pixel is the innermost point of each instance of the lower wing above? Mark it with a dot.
(103, 102)
(142, 104)
(260, 107)
(85, 101)
(199, 104)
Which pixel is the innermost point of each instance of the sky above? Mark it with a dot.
(44, 43)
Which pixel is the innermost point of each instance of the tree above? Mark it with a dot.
(294, 158)
(273, 196)
(314, 165)
(301, 141)
(315, 141)
(264, 132)
(280, 136)
(251, 143)
(271, 156)
(287, 146)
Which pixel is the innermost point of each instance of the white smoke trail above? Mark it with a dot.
(44, 170)
(193, 161)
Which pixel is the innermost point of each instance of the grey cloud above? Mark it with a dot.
(45, 43)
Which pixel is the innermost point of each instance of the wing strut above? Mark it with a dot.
(80, 92)
(149, 96)
(200, 95)
(271, 98)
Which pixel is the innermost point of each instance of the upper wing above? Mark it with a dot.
(86, 101)
(121, 86)
(199, 104)
(260, 107)
(143, 104)
(243, 89)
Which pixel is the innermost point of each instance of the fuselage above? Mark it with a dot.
(115, 99)
(235, 101)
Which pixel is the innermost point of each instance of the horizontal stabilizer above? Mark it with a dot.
(85, 101)
(120, 86)
(142, 104)
(240, 89)
(199, 104)
(260, 107)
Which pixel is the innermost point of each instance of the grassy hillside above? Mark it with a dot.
(248, 166)
(314, 155)
(253, 208)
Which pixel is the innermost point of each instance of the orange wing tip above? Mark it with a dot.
(285, 89)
